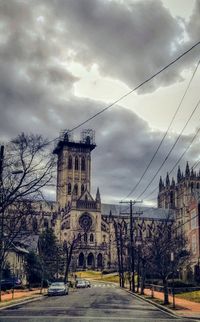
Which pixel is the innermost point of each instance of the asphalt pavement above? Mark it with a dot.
(102, 302)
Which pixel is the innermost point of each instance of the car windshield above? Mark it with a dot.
(58, 284)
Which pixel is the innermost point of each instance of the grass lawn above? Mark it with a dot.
(190, 296)
(114, 278)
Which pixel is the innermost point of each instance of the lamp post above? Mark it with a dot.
(173, 295)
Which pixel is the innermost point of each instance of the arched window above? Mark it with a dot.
(99, 260)
(83, 164)
(81, 259)
(76, 163)
(82, 188)
(79, 237)
(76, 189)
(46, 224)
(197, 185)
(91, 238)
(70, 162)
(69, 188)
(85, 237)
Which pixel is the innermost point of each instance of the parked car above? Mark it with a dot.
(88, 284)
(80, 284)
(8, 283)
(58, 288)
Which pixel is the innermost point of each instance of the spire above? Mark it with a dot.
(179, 175)
(187, 171)
(160, 184)
(167, 180)
(98, 197)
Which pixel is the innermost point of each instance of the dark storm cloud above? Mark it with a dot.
(40, 38)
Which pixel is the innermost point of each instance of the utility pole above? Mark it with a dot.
(132, 250)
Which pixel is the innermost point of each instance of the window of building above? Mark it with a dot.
(83, 164)
(85, 237)
(70, 162)
(69, 188)
(91, 238)
(104, 238)
(197, 185)
(82, 188)
(76, 189)
(46, 224)
(76, 163)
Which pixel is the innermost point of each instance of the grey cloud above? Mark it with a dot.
(128, 44)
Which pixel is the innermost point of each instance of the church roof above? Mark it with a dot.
(144, 212)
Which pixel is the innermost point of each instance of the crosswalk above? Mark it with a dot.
(103, 285)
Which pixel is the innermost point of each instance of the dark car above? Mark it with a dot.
(8, 283)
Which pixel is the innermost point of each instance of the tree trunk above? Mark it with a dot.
(143, 277)
(165, 289)
(1, 271)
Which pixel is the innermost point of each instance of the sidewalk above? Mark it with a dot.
(6, 298)
(183, 308)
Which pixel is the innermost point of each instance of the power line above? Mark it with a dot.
(164, 136)
(180, 158)
(173, 146)
(131, 91)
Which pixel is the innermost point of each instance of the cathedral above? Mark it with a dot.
(183, 196)
(84, 218)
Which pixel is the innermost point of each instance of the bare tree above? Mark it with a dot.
(165, 240)
(68, 249)
(25, 169)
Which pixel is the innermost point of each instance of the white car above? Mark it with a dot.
(58, 288)
(80, 284)
(88, 284)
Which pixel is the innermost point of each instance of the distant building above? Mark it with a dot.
(183, 196)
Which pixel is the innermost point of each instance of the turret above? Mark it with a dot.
(98, 199)
(179, 175)
(187, 171)
(161, 184)
(167, 180)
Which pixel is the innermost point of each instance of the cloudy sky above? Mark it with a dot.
(63, 61)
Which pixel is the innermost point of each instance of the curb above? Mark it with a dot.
(27, 300)
(165, 309)
(154, 304)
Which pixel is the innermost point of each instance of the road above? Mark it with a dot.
(102, 302)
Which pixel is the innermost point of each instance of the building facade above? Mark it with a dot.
(183, 196)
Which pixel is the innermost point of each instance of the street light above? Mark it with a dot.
(173, 295)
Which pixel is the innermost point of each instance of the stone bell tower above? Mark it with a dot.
(73, 166)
